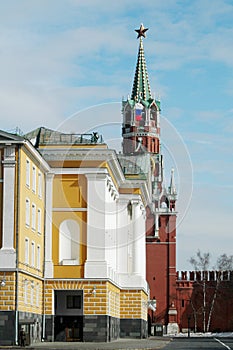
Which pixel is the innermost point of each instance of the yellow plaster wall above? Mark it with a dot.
(23, 229)
(69, 271)
(133, 304)
(30, 302)
(1, 188)
(130, 191)
(7, 293)
(108, 299)
(113, 300)
(69, 191)
(77, 164)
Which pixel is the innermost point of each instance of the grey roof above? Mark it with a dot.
(43, 136)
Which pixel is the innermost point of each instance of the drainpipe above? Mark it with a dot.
(17, 248)
(43, 320)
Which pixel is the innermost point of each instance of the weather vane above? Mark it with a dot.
(141, 31)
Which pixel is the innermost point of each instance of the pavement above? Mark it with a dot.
(151, 343)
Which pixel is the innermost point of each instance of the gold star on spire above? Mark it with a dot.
(141, 31)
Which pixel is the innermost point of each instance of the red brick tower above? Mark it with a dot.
(141, 135)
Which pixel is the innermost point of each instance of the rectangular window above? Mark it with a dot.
(33, 254)
(37, 294)
(39, 220)
(33, 216)
(27, 212)
(38, 258)
(26, 251)
(32, 293)
(34, 179)
(73, 301)
(28, 172)
(25, 291)
(40, 184)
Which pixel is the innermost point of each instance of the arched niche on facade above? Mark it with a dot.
(69, 242)
(164, 202)
(153, 116)
(127, 116)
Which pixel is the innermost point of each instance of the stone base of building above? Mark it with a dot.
(48, 328)
(7, 327)
(31, 323)
(172, 328)
(99, 328)
(94, 328)
(133, 328)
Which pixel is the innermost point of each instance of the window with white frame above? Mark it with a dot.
(37, 294)
(33, 254)
(38, 258)
(32, 293)
(39, 184)
(33, 216)
(27, 212)
(28, 172)
(26, 251)
(25, 291)
(34, 178)
(39, 220)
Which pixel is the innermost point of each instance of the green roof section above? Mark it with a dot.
(141, 86)
(135, 165)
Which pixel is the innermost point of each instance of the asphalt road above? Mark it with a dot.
(152, 343)
(200, 343)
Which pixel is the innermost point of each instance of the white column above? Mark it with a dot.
(96, 265)
(7, 252)
(139, 245)
(122, 234)
(156, 225)
(48, 225)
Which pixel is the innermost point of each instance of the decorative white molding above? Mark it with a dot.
(7, 252)
(48, 226)
(69, 209)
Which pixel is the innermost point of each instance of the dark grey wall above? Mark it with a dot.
(7, 327)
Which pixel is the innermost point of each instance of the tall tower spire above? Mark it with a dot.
(141, 85)
(141, 112)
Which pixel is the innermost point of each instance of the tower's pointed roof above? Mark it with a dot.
(141, 86)
(172, 188)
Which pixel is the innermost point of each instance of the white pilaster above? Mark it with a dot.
(7, 252)
(122, 234)
(132, 245)
(48, 225)
(96, 265)
(139, 247)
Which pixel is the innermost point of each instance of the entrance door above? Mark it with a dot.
(68, 322)
(68, 328)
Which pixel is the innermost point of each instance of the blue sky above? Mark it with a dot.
(58, 58)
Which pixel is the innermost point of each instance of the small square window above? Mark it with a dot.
(73, 302)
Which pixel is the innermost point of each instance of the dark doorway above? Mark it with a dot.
(68, 328)
(68, 321)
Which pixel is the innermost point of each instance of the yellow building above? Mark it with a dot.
(72, 258)
(22, 198)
